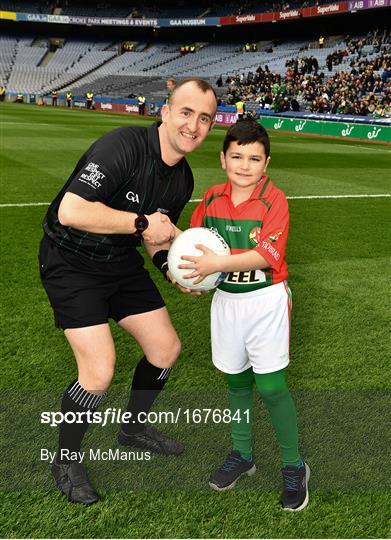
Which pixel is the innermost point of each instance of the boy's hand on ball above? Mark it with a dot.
(194, 256)
(201, 266)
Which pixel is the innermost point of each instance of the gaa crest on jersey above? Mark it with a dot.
(274, 237)
(255, 236)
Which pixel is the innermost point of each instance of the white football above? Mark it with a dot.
(184, 245)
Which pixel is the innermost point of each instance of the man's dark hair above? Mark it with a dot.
(246, 132)
(200, 83)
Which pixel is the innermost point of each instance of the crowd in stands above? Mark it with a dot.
(356, 45)
(365, 89)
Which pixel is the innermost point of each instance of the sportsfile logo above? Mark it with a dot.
(93, 178)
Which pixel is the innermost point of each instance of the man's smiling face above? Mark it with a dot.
(188, 118)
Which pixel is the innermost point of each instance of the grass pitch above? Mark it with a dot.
(339, 262)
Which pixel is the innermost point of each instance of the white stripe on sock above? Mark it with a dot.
(91, 401)
(164, 374)
(84, 398)
(73, 389)
(77, 394)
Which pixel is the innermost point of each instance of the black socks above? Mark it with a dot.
(148, 382)
(75, 400)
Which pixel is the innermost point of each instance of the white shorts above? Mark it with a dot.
(251, 329)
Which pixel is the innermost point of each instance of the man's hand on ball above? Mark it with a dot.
(203, 265)
(160, 229)
(183, 289)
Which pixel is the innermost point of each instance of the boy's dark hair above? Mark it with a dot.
(245, 132)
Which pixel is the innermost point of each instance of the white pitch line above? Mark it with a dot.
(293, 197)
(387, 150)
(11, 205)
(26, 124)
(363, 196)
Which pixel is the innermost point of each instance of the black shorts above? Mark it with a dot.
(85, 293)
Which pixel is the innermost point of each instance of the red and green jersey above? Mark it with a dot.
(261, 223)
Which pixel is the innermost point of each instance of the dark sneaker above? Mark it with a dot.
(295, 496)
(152, 440)
(233, 468)
(72, 481)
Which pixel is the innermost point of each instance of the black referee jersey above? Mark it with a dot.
(124, 170)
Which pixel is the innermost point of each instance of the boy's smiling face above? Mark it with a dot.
(245, 164)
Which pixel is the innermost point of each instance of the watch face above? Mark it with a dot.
(141, 223)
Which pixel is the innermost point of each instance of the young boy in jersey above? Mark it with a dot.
(250, 311)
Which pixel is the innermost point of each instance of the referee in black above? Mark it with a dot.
(128, 188)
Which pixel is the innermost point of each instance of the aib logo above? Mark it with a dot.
(132, 197)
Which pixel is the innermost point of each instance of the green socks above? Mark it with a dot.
(278, 401)
(241, 404)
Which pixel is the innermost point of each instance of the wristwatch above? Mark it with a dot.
(141, 223)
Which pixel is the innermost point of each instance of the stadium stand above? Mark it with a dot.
(313, 77)
(126, 65)
(8, 49)
(348, 74)
(68, 63)
(358, 81)
(25, 7)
